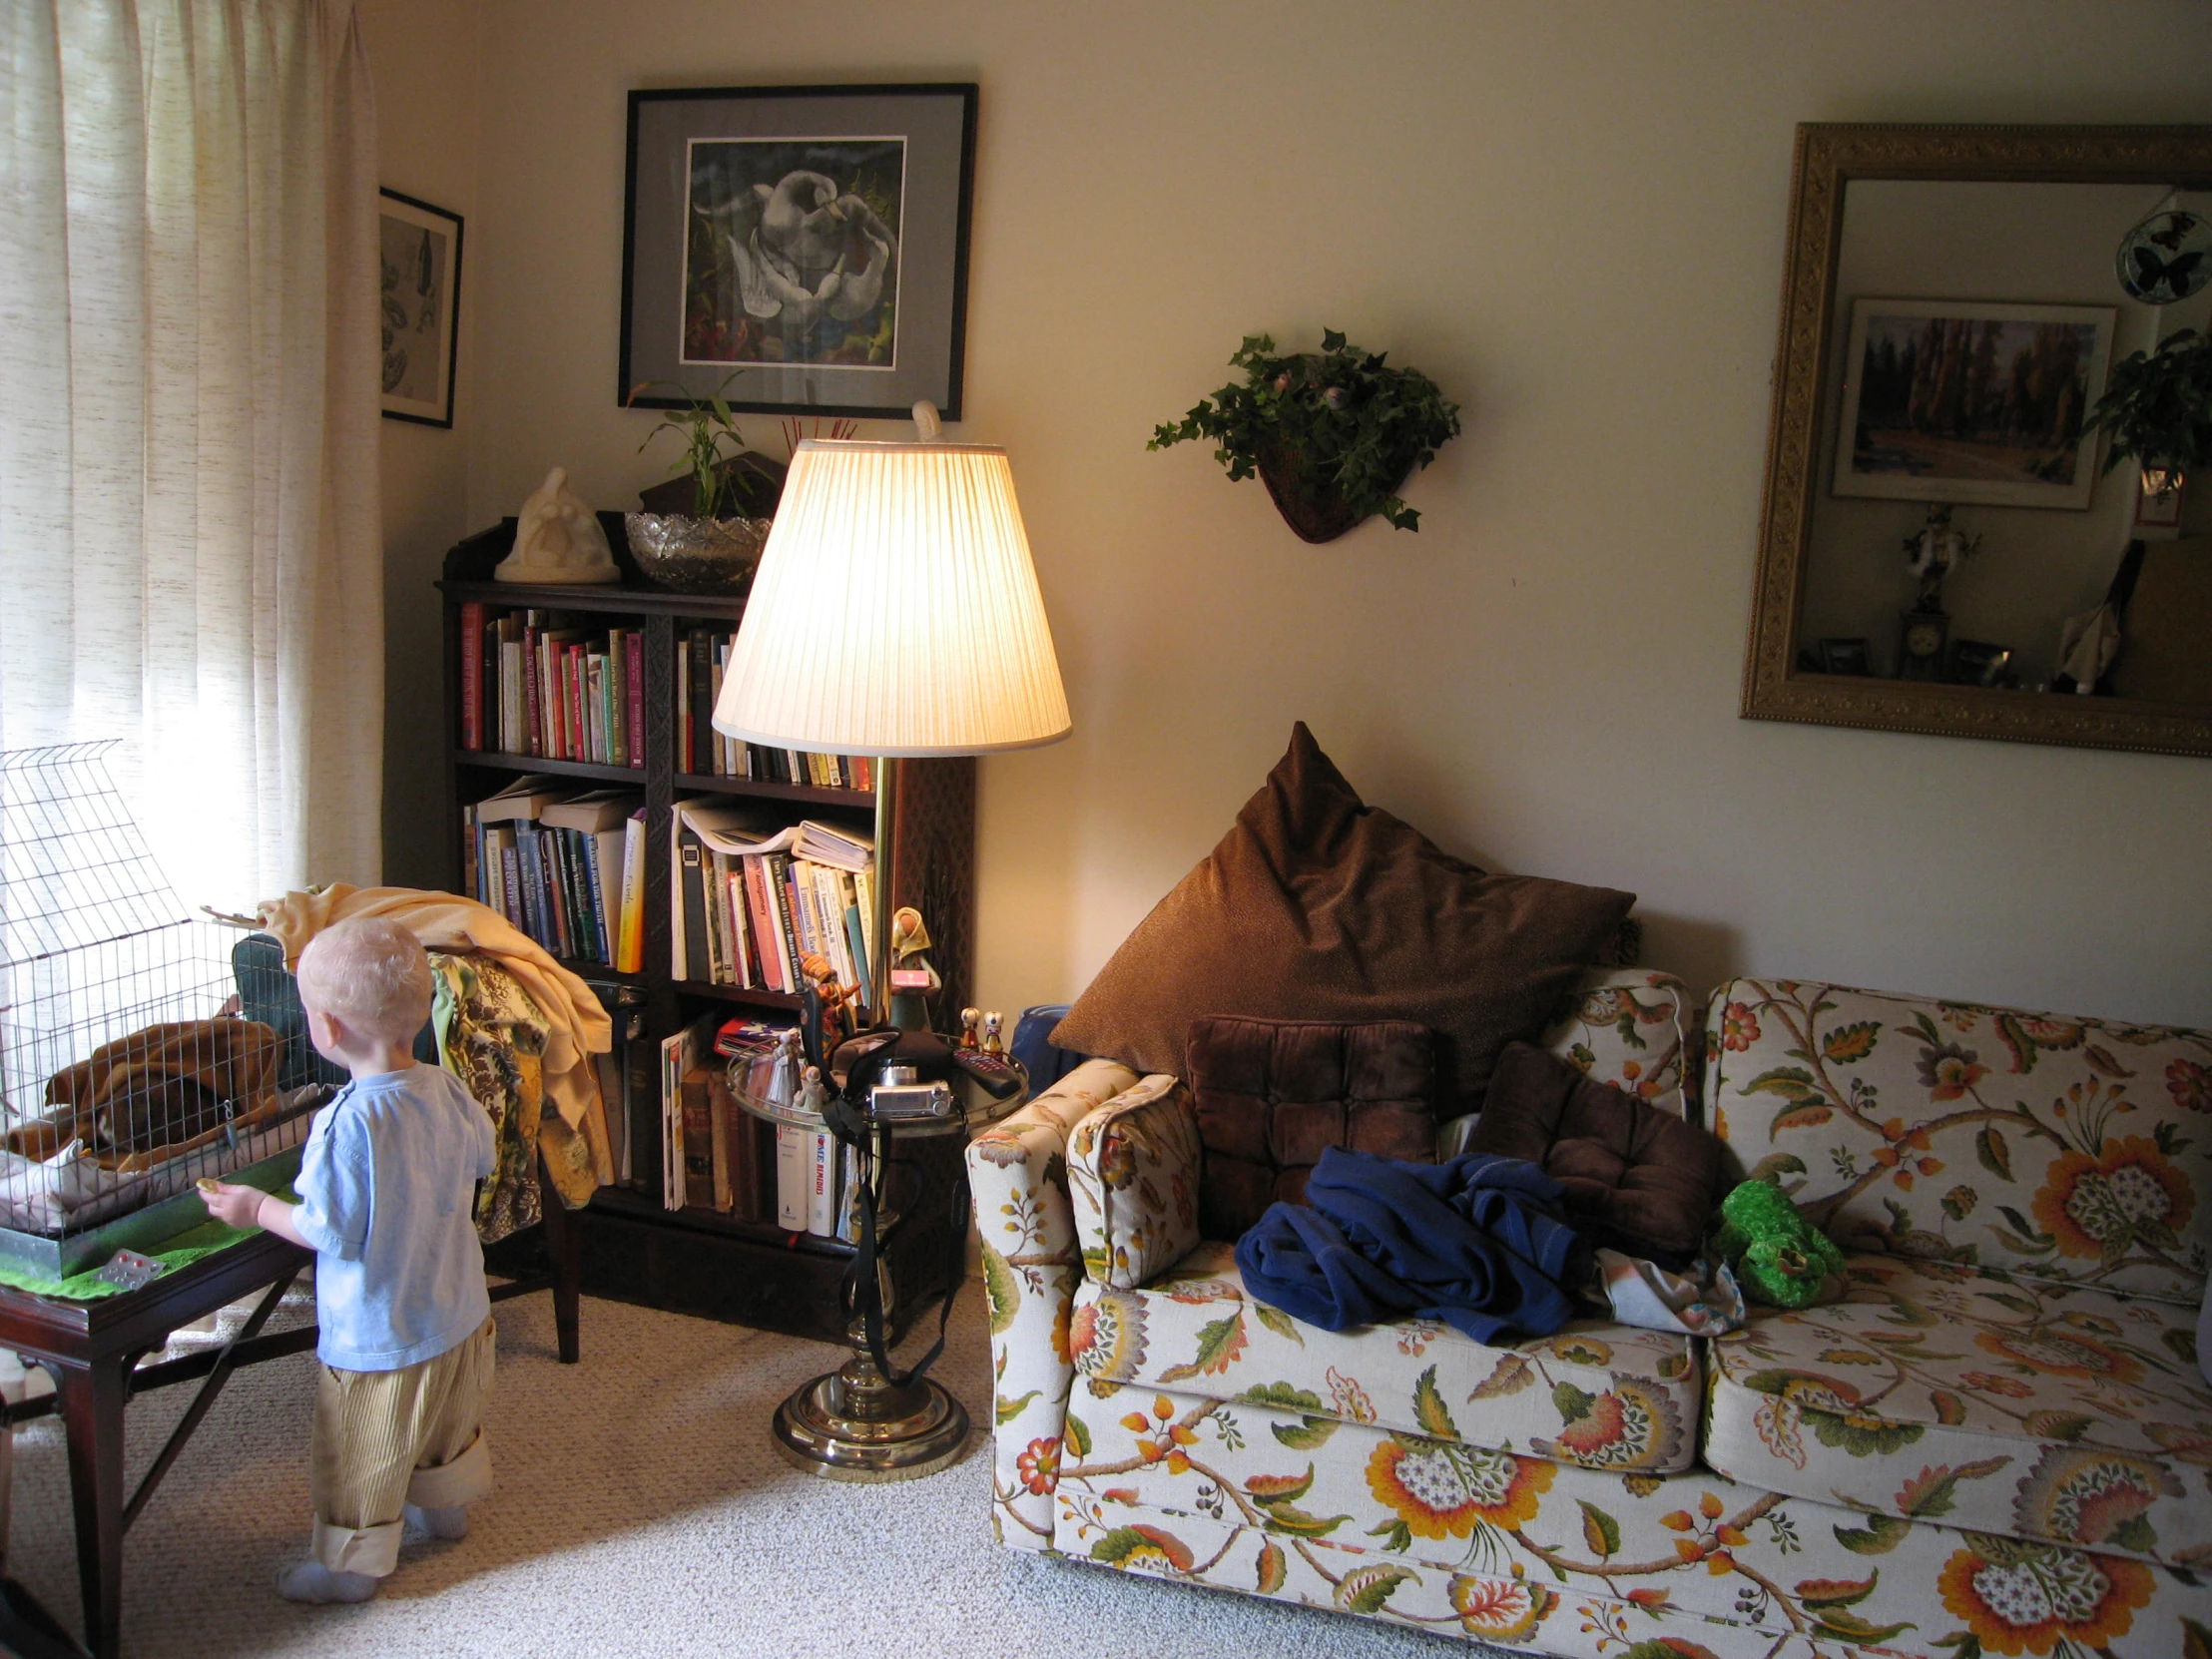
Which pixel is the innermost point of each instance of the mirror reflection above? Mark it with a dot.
(1963, 528)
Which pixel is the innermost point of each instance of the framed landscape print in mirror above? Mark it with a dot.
(1943, 547)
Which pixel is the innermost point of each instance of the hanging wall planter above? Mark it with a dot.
(1333, 434)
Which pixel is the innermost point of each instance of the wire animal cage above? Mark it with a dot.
(130, 1061)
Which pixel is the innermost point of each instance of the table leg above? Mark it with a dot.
(92, 1397)
(564, 1247)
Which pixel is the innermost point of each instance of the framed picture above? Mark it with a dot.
(1843, 657)
(422, 258)
(805, 246)
(1970, 400)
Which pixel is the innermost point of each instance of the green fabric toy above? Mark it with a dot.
(1781, 1258)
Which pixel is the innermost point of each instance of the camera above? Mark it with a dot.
(901, 1096)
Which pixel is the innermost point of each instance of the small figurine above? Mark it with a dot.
(968, 1017)
(836, 997)
(1932, 552)
(783, 1077)
(814, 1094)
(993, 1043)
(914, 979)
(558, 539)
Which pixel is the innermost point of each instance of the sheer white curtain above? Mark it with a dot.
(190, 547)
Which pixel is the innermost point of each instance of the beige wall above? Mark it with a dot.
(1571, 216)
(424, 57)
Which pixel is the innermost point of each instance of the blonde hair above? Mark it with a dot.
(372, 973)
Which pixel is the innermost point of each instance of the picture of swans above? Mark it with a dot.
(792, 251)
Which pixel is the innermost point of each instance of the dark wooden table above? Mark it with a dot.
(94, 1349)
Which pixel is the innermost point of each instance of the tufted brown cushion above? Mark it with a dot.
(1316, 905)
(1640, 1179)
(1273, 1093)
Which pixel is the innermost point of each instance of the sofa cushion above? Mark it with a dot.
(1273, 1095)
(1634, 1028)
(1316, 905)
(1133, 1182)
(1637, 1179)
(2010, 1406)
(2074, 1150)
(1596, 1393)
(1551, 1558)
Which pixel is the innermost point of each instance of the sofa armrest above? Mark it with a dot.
(1133, 1168)
(1018, 1179)
(1634, 1028)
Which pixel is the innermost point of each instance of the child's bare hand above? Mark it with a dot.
(238, 1206)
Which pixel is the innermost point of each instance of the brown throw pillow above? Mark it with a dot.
(1273, 1093)
(1639, 1179)
(1316, 905)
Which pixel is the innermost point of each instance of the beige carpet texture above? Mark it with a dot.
(640, 1509)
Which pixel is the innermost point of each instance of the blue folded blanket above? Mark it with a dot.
(1480, 1243)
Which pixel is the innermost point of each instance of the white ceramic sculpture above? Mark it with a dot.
(558, 539)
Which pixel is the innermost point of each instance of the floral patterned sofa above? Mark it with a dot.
(1996, 1444)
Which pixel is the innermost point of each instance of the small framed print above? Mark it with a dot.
(1972, 402)
(420, 248)
(798, 249)
(1844, 657)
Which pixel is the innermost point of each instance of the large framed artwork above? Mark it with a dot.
(1972, 402)
(807, 246)
(421, 256)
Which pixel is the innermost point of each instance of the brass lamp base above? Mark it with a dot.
(854, 1425)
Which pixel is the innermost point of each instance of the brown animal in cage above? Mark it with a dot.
(157, 1092)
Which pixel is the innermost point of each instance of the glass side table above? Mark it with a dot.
(857, 1422)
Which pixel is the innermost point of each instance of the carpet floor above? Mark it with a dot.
(640, 1509)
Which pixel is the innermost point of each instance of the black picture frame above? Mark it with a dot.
(694, 312)
(420, 292)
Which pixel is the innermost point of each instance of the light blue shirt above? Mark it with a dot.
(386, 1192)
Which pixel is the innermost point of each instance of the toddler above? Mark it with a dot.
(387, 1187)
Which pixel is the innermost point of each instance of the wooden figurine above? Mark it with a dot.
(968, 1018)
(993, 1043)
(914, 979)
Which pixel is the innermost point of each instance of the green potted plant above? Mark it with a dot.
(2157, 406)
(1334, 433)
(729, 494)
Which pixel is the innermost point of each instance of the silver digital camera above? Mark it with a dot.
(901, 1097)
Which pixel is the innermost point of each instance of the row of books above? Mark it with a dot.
(749, 897)
(717, 1156)
(536, 682)
(702, 656)
(567, 868)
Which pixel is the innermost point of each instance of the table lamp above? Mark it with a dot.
(895, 613)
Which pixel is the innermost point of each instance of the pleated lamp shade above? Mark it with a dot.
(896, 611)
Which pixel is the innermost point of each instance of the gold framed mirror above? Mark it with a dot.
(1952, 302)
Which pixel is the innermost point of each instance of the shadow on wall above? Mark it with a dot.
(1703, 953)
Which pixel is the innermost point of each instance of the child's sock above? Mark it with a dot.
(312, 1582)
(448, 1523)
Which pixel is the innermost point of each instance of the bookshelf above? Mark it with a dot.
(698, 1261)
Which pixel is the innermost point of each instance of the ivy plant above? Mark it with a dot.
(2157, 405)
(1339, 415)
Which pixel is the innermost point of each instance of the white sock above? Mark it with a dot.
(452, 1521)
(312, 1582)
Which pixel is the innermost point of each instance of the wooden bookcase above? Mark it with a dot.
(697, 1261)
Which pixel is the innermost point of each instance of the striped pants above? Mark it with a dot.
(386, 1439)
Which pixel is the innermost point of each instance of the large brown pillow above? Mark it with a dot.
(1318, 907)
(1637, 1178)
(1271, 1094)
